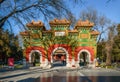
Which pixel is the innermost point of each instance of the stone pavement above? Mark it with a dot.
(30, 75)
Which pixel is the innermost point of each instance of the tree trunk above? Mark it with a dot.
(108, 58)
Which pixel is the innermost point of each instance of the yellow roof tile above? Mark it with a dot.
(57, 22)
(81, 23)
(25, 33)
(35, 24)
(95, 33)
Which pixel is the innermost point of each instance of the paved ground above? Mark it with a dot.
(30, 75)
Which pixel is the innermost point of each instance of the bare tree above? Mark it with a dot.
(16, 13)
(109, 44)
(109, 1)
(19, 12)
(1, 1)
(100, 21)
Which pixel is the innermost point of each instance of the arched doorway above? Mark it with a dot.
(84, 57)
(59, 57)
(34, 58)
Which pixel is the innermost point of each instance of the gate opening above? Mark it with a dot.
(35, 59)
(84, 59)
(59, 58)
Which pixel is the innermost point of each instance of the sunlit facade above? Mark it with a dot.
(60, 43)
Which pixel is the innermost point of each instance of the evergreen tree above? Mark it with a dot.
(9, 46)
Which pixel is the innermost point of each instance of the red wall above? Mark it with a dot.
(29, 49)
(78, 49)
(51, 48)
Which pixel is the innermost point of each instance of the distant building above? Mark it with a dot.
(60, 43)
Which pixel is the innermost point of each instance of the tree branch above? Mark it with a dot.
(108, 1)
(4, 19)
(1, 1)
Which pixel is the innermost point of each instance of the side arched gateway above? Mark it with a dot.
(84, 56)
(86, 52)
(35, 54)
(33, 50)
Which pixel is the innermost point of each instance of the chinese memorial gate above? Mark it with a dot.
(60, 43)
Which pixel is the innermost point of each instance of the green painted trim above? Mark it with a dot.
(36, 44)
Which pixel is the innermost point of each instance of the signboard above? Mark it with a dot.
(84, 36)
(11, 61)
(59, 33)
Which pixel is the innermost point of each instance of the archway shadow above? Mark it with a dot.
(58, 64)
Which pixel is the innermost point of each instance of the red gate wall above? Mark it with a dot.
(78, 49)
(29, 49)
(68, 49)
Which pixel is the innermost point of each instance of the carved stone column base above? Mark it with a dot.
(45, 64)
(68, 65)
(77, 64)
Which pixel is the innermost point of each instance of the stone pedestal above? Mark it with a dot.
(45, 64)
(73, 63)
(68, 64)
(77, 64)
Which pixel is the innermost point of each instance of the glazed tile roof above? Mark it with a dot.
(57, 22)
(95, 33)
(25, 33)
(34, 24)
(86, 23)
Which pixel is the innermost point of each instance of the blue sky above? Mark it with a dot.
(111, 10)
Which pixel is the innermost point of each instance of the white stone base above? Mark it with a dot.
(77, 65)
(68, 65)
(45, 64)
(72, 64)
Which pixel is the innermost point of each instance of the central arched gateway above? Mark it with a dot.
(59, 54)
(65, 48)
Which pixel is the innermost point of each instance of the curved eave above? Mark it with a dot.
(51, 24)
(24, 33)
(85, 23)
(34, 25)
(81, 26)
(59, 22)
(95, 33)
